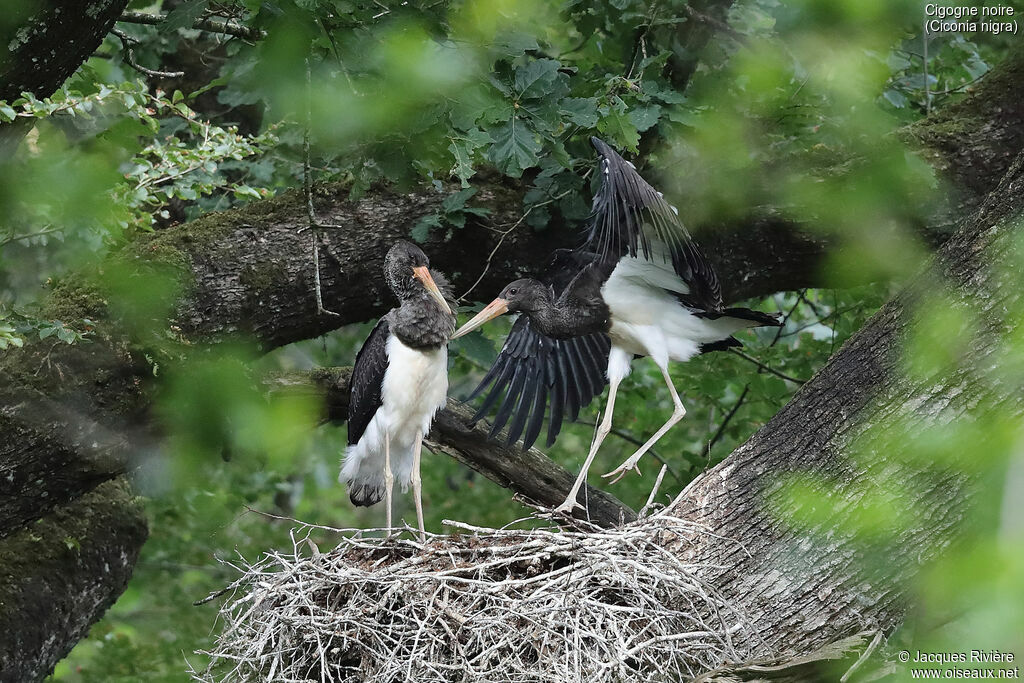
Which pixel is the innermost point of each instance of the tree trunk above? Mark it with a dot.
(73, 416)
(44, 42)
(852, 428)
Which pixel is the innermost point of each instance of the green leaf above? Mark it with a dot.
(515, 148)
(457, 200)
(645, 117)
(184, 15)
(540, 79)
(477, 347)
(514, 43)
(7, 113)
(620, 129)
(463, 149)
(421, 231)
(581, 110)
(895, 98)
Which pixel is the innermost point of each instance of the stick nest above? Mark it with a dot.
(481, 605)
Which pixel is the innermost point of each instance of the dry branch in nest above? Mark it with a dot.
(482, 605)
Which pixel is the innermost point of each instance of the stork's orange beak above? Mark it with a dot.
(423, 275)
(490, 312)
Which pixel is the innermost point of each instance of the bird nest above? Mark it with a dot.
(481, 605)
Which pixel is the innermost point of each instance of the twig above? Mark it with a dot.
(864, 657)
(728, 417)
(654, 489)
(506, 233)
(924, 62)
(129, 57)
(766, 368)
(17, 238)
(313, 225)
(228, 26)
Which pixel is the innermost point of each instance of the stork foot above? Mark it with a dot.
(623, 469)
(567, 507)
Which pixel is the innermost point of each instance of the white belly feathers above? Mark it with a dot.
(415, 387)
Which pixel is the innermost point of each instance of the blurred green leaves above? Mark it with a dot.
(213, 409)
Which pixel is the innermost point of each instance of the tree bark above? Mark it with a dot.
(806, 585)
(44, 42)
(249, 272)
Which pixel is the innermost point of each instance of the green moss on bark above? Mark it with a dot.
(61, 573)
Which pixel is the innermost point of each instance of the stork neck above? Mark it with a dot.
(560, 321)
(421, 323)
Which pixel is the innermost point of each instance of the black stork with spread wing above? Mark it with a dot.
(639, 286)
(400, 379)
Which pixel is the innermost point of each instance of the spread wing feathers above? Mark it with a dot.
(367, 379)
(623, 205)
(534, 372)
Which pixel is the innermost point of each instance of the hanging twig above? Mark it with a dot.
(17, 238)
(313, 225)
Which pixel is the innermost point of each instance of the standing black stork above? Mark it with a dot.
(400, 379)
(641, 280)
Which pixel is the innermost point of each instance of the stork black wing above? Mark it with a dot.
(534, 372)
(367, 379)
(624, 204)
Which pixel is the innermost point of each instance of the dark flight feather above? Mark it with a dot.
(533, 371)
(367, 380)
(623, 205)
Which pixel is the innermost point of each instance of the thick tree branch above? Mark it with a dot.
(224, 25)
(530, 474)
(59, 573)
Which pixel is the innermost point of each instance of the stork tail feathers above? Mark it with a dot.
(366, 494)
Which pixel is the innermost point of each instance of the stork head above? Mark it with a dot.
(526, 296)
(407, 271)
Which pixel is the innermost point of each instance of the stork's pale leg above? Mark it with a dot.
(417, 485)
(389, 479)
(678, 412)
(602, 431)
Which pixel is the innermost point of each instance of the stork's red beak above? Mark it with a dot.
(423, 275)
(490, 312)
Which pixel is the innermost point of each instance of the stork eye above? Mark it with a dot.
(513, 291)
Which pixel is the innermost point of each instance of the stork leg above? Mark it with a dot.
(389, 480)
(677, 414)
(417, 485)
(602, 431)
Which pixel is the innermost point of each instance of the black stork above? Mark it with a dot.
(638, 286)
(400, 379)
